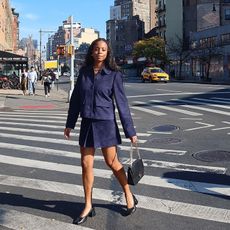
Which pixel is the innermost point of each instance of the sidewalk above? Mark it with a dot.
(14, 99)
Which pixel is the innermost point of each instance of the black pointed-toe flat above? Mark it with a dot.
(82, 219)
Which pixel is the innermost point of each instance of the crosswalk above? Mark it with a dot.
(36, 159)
(193, 106)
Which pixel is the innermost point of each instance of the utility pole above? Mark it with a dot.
(72, 58)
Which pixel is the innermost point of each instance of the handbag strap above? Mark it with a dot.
(134, 146)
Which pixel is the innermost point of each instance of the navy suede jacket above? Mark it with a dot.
(93, 97)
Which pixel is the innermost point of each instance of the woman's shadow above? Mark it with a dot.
(200, 182)
(68, 208)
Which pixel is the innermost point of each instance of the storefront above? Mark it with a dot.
(10, 63)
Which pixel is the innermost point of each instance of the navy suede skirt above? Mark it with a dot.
(99, 133)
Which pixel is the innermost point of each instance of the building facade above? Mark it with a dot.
(129, 21)
(199, 24)
(9, 27)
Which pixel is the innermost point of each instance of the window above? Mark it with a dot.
(225, 38)
(227, 14)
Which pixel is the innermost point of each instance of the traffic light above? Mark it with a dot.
(61, 50)
(70, 50)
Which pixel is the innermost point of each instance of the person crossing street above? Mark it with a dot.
(32, 80)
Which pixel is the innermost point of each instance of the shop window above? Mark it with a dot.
(225, 38)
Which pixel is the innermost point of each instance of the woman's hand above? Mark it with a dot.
(133, 139)
(67, 133)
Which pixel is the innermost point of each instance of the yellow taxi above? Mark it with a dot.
(154, 74)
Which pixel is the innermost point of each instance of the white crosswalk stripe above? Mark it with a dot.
(192, 103)
(159, 205)
(24, 221)
(16, 127)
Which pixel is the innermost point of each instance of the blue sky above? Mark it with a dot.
(49, 14)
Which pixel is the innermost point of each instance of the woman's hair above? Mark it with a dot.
(109, 61)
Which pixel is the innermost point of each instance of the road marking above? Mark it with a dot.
(32, 125)
(201, 108)
(173, 94)
(99, 172)
(148, 180)
(218, 101)
(49, 106)
(53, 114)
(221, 98)
(155, 150)
(35, 131)
(145, 202)
(210, 103)
(53, 140)
(204, 126)
(33, 120)
(191, 118)
(187, 185)
(153, 132)
(20, 220)
(174, 109)
(222, 128)
(60, 133)
(46, 121)
(32, 116)
(156, 113)
(167, 90)
(26, 148)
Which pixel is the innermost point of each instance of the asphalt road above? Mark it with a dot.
(183, 131)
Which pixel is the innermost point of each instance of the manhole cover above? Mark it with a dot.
(165, 140)
(212, 155)
(165, 128)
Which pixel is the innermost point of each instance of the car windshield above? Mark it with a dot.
(157, 71)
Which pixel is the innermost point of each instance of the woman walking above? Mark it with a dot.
(24, 81)
(46, 81)
(98, 84)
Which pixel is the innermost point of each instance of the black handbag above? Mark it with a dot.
(136, 169)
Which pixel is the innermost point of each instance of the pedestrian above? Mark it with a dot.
(46, 81)
(24, 81)
(99, 83)
(32, 80)
(53, 78)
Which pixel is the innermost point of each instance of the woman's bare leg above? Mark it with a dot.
(110, 156)
(87, 160)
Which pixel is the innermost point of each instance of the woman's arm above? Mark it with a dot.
(123, 107)
(74, 105)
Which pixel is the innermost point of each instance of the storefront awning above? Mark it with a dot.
(11, 58)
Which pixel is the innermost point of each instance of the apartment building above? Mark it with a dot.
(129, 21)
(197, 23)
(212, 41)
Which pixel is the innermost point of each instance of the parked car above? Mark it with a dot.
(154, 74)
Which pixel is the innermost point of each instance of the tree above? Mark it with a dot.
(177, 52)
(153, 49)
(206, 53)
